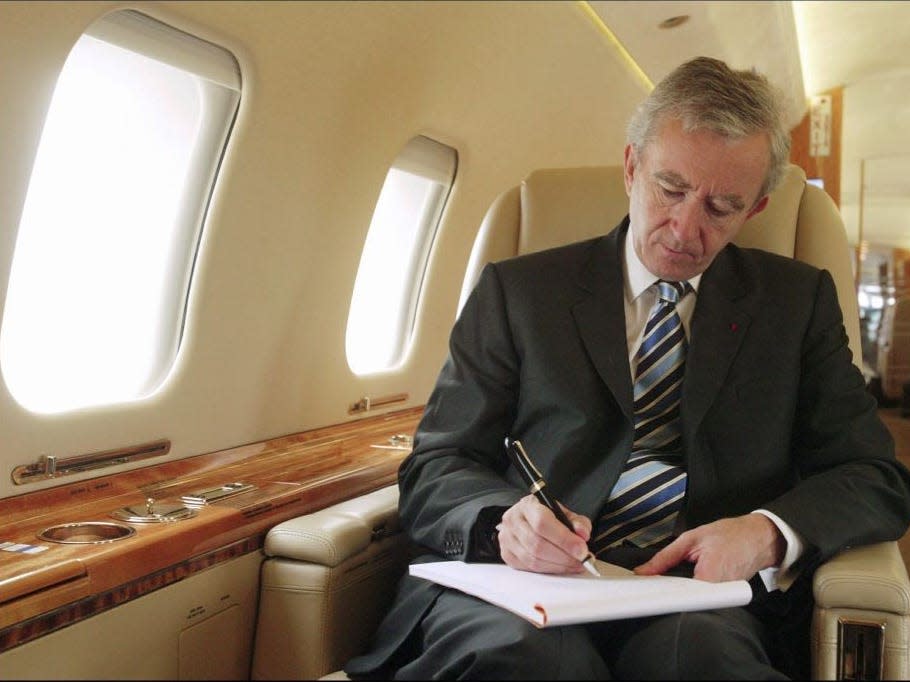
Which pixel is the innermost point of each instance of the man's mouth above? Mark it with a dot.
(678, 253)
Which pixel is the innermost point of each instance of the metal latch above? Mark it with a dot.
(861, 649)
(51, 466)
(152, 511)
(366, 403)
(204, 497)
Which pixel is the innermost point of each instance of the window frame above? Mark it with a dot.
(436, 163)
(216, 73)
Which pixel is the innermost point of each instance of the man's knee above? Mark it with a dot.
(711, 644)
(723, 644)
(465, 638)
(529, 653)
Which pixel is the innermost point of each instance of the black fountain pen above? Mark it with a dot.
(533, 478)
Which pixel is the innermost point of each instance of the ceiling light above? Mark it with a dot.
(673, 22)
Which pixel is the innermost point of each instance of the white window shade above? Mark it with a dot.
(143, 35)
(427, 159)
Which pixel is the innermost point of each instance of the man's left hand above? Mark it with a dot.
(728, 549)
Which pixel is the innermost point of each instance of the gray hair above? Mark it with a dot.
(705, 93)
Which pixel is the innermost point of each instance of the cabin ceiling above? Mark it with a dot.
(806, 47)
(851, 42)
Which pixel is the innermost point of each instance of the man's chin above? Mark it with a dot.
(676, 272)
(674, 266)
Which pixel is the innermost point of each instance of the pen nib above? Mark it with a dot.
(588, 563)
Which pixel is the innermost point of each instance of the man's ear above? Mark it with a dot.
(759, 207)
(628, 163)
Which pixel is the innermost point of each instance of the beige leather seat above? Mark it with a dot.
(560, 205)
(328, 580)
(328, 571)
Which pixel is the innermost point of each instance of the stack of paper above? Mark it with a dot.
(548, 600)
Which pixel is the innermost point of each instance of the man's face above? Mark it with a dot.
(689, 194)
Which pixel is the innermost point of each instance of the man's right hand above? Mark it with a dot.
(531, 538)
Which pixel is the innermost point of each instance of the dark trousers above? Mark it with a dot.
(461, 637)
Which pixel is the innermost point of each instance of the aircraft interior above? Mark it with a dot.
(235, 236)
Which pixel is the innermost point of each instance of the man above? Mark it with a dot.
(757, 421)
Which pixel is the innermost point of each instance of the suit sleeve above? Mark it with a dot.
(457, 467)
(851, 489)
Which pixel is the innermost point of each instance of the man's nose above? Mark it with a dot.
(686, 219)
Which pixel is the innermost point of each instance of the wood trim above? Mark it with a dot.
(825, 167)
(292, 475)
(73, 612)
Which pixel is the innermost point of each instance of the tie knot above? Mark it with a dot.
(671, 292)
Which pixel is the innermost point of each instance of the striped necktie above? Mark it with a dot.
(643, 504)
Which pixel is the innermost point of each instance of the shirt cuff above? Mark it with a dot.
(782, 577)
(485, 536)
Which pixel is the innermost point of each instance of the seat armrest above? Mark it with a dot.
(329, 578)
(334, 534)
(869, 577)
(861, 619)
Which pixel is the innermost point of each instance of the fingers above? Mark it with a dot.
(531, 538)
(670, 556)
(580, 524)
(727, 549)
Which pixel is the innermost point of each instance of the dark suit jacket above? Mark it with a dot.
(774, 413)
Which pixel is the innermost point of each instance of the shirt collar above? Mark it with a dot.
(637, 276)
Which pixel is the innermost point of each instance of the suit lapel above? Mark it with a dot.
(719, 325)
(600, 314)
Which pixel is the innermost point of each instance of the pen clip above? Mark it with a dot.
(524, 464)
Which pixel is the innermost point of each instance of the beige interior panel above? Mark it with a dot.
(196, 629)
(331, 93)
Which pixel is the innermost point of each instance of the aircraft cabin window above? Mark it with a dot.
(395, 255)
(122, 178)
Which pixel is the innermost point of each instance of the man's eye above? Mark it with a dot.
(671, 193)
(718, 212)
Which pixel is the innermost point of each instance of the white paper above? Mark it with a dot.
(548, 600)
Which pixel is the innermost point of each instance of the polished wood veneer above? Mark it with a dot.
(292, 475)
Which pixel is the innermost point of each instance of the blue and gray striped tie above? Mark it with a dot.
(643, 504)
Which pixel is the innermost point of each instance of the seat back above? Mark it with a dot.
(557, 206)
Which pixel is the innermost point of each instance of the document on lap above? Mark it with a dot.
(549, 600)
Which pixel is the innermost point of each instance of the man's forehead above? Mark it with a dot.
(674, 141)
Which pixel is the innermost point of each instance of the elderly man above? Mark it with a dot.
(692, 404)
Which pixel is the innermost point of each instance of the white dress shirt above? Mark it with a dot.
(640, 297)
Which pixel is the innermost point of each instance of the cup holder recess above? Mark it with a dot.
(86, 533)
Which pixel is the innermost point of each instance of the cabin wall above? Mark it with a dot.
(331, 93)
(877, 135)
